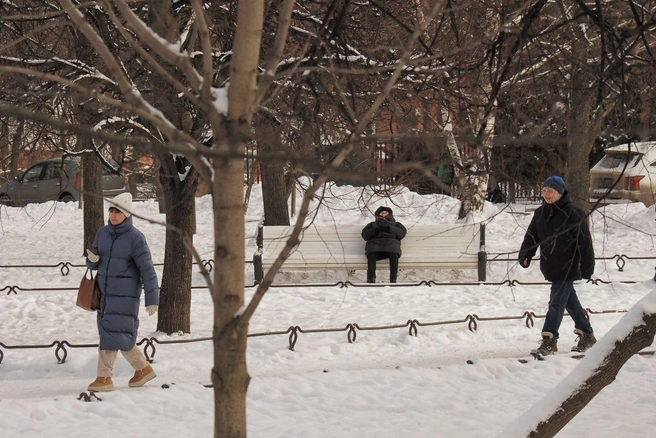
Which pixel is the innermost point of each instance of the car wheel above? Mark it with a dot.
(67, 198)
(5, 200)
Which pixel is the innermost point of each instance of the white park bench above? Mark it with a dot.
(443, 246)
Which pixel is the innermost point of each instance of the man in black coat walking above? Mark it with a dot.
(383, 237)
(561, 231)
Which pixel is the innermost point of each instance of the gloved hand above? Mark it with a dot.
(383, 228)
(151, 310)
(93, 258)
(524, 263)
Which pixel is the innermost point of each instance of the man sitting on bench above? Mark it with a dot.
(383, 237)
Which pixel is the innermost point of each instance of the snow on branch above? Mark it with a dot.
(597, 369)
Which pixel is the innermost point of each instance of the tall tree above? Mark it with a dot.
(274, 184)
(178, 179)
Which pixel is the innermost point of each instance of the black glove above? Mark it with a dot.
(524, 263)
(383, 228)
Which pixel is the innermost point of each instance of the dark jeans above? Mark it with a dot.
(373, 257)
(563, 297)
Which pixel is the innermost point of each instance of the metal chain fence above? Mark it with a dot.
(65, 268)
(293, 332)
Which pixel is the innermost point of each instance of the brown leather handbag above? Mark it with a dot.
(88, 294)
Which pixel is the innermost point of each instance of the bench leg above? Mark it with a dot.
(482, 266)
(258, 273)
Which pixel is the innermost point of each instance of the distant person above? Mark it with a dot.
(566, 254)
(383, 237)
(122, 258)
(445, 174)
(494, 193)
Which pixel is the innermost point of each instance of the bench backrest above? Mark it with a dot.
(341, 246)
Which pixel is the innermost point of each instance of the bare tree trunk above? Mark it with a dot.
(580, 140)
(159, 190)
(4, 147)
(15, 149)
(179, 204)
(274, 191)
(87, 113)
(461, 169)
(175, 289)
(274, 185)
(584, 120)
(91, 191)
(230, 374)
(475, 190)
(290, 189)
(177, 194)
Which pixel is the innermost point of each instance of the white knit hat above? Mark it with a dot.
(122, 202)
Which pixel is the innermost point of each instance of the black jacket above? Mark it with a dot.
(561, 231)
(384, 234)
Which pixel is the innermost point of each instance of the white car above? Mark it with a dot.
(626, 173)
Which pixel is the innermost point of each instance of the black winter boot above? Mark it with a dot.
(371, 277)
(549, 345)
(586, 341)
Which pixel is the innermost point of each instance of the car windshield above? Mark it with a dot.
(110, 167)
(618, 160)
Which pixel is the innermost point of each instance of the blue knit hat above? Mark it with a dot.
(555, 182)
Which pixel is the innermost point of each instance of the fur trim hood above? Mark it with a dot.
(381, 209)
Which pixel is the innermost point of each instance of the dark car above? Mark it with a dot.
(56, 180)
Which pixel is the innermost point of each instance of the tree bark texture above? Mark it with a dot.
(274, 194)
(91, 191)
(15, 149)
(274, 185)
(582, 127)
(475, 188)
(175, 290)
(230, 374)
(642, 336)
(88, 114)
(581, 136)
(177, 196)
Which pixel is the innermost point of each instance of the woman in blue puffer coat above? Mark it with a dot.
(121, 256)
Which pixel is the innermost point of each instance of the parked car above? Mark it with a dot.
(55, 180)
(626, 173)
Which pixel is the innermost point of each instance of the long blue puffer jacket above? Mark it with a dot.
(125, 265)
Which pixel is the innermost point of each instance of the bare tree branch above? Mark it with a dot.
(294, 240)
(278, 47)
(128, 89)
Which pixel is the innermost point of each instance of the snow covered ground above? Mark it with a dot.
(385, 384)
